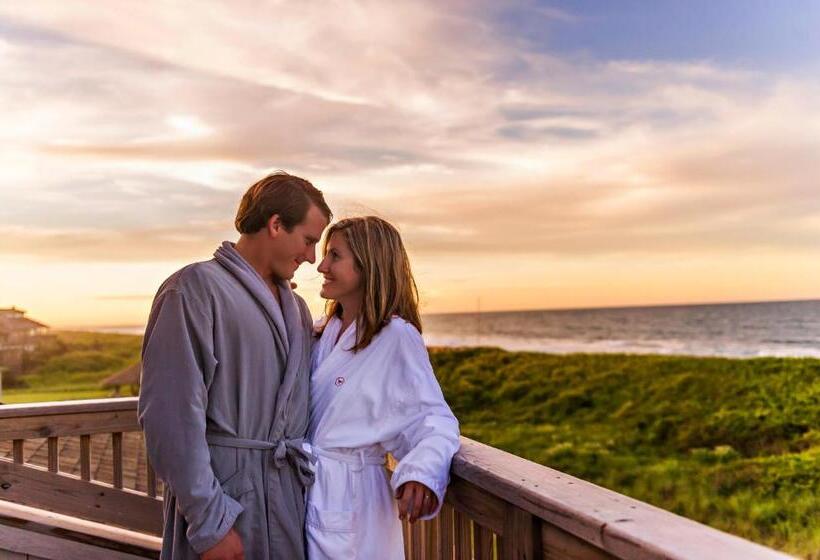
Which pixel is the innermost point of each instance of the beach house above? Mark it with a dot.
(19, 335)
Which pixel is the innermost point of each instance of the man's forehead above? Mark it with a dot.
(315, 221)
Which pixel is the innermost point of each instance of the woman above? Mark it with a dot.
(372, 392)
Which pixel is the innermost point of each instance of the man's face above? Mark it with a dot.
(289, 249)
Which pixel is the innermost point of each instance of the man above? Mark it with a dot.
(224, 390)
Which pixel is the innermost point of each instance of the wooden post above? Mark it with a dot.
(464, 538)
(446, 533)
(85, 457)
(483, 542)
(17, 450)
(417, 539)
(522, 539)
(116, 459)
(151, 483)
(53, 454)
(431, 538)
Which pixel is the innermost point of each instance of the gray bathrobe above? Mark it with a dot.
(224, 407)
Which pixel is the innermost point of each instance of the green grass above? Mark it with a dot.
(72, 365)
(732, 443)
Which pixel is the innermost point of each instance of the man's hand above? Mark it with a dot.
(229, 548)
(415, 501)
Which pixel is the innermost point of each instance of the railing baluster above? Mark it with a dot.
(522, 538)
(464, 538)
(151, 483)
(17, 450)
(85, 457)
(431, 538)
(417, 537)
(405, 531)
(446, 532)
(483, 542)
(53, 454)
(116, 458)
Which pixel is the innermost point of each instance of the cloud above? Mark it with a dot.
(123, 132)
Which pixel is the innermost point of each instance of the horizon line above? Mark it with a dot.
(536, 310)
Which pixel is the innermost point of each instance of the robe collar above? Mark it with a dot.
(245, 274)
(288, 324)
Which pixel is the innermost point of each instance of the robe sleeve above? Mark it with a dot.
(426, 432)
(177, 359)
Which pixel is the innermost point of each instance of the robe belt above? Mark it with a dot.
(284, 450)
(357, 459)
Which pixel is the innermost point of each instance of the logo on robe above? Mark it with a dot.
(340, 381)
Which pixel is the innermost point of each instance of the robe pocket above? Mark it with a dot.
(332, 521)
(240, 482)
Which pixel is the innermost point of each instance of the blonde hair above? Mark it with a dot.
(387, 281)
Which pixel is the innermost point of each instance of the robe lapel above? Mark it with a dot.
(297, 327)
(246, 275)
(334, 365)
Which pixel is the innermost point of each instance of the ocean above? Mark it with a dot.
(740, 330)
(787, 328)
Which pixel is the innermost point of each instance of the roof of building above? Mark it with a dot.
(127, 376)
(10, 322)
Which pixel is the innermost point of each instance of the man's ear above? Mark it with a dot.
(274, 226)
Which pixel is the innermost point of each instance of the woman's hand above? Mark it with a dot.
(415, 501)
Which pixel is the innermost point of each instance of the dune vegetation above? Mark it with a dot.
(732, 443)
(71, 365)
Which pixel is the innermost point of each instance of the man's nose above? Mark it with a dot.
(310, 256)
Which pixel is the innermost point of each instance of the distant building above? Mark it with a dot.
(129, 377)
(19, 336)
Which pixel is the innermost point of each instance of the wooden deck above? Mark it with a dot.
(75, 483)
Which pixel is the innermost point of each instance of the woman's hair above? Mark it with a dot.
(387, 282)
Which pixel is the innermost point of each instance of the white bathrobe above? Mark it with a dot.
(383, 399)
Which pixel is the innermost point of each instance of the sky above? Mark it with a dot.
(533, 154)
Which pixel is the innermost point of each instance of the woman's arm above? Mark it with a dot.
(426, 434)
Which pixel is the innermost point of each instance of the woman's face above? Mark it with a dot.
(342, 279)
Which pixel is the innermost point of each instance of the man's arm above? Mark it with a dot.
(177, 355)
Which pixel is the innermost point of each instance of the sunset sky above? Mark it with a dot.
(533, 154)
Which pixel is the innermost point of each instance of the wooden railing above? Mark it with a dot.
(85, 461)
(498, 505)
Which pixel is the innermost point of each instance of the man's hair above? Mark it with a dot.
(280, 193)
(389, 287)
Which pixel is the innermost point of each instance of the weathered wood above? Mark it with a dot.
(431, 538)
(406, 538)
(114, 536)
(477, 503)
(446, 532)
(151, 483)
(36, 487)
(18, 411)
(418, 535)
(560, 545)
(464, 538)
(85, 457)
(53, 454)
(17, 451)
(483, 538)
(622, 526)
(74, 424)
(116, 460)
(58, 544)
(522, 539)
